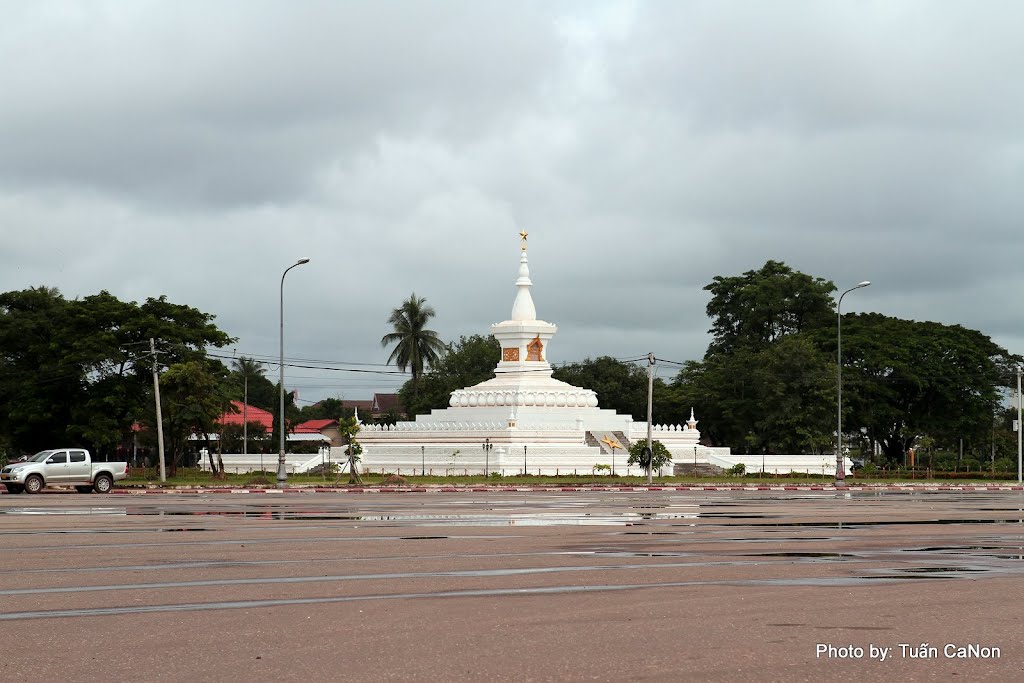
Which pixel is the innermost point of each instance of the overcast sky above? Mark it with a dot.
(197, 149)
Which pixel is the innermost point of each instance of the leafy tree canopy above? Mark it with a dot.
(193, 395)
(661, 456)
(780, 399)
(768, 380)
(904, 378)
(325, 409)
(755, 309)
(78, 372)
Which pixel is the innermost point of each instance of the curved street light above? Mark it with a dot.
(282, 473)
(840, 470)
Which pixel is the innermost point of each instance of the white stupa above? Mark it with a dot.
(529, 420)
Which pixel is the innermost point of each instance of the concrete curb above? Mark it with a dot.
(442, 488)
(919, 488)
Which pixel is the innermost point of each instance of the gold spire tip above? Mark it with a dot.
(523, 235)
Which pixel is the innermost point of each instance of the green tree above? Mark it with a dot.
(41, 378)
(763, 386)
(348, 427)
(780, 399)
(194, 394)
(468, 361)
(768, 380)
(326, 409)
(795, 385)
(79, 372)
(416, 347)
(904, 378)
(660, 458)
(757, 308)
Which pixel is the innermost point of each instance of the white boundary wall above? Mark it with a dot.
(823, 464)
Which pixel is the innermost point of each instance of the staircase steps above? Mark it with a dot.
(598, 439)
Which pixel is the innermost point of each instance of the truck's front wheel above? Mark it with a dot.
(103, 483)
(34, 484)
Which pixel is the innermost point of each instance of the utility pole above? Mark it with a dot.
(1020, 430)
(650, 419)
(159, 413)
(245, 421)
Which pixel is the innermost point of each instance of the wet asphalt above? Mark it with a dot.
(500, 585)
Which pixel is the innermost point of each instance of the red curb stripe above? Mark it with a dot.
(891, 488)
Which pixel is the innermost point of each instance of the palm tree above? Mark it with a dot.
(248, 369)
(416, 346)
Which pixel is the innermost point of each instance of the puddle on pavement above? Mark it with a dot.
(389, 576)
(881, 523)
(440, 595)
(496, 517)
(940, 570)
(112, 512)
(822, 556)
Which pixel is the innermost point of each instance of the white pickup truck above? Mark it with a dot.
(62, 467)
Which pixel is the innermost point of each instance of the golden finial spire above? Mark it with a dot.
(523, 234)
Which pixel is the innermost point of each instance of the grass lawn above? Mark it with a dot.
(198, 478)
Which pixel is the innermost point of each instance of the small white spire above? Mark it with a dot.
(523, 308)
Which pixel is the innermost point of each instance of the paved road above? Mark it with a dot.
(512, 586)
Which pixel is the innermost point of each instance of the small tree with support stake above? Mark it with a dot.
(348, 427)
(660, 457)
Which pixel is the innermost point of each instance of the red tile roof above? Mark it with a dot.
(314, 426)
(252, 414)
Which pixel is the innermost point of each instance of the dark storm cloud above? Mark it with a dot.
(228, 103)
(198, 149)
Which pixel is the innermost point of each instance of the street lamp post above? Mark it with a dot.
(1020, 430)
(650, 420)
(487, 445)
(840, 473)
(423, 461)
(282, 473)
(524, 460)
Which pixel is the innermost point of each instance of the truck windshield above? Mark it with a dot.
(40, 456)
